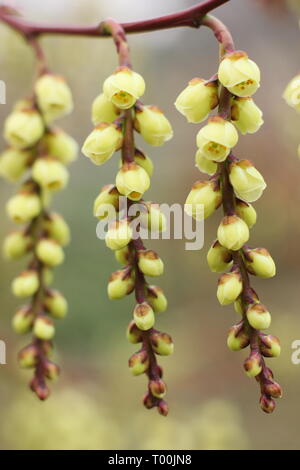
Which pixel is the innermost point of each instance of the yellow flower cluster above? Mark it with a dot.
(38, 155)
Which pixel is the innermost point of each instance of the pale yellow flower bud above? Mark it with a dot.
(258, 316)
(292, 93)
(49, 173)
(123, 255)
(247, 181)
(153, 219)
(16, 245)
(143, 316)
(204, 165)
(162, 343)
(109, 195)
(153, 125)
(230, 287)
(246, 116)
(269, 345)
(13, 164)
(233, 232)
(23, 320)
(144, 161)
(49, 252)
(102, 142)
(157, 299)
(204, 198)
(239, 74)
(103, 110)
(216, 139)
(26, 284)
(237, 338)
(56, 304)
(57, 228)
(246, 212)
(218, 258)
(150, 263)
(157, 388)
(238, 306)
(124, 87)
(132, 181)
(119, 234)
(23, 207)
(134, 335)
(61, 145)
(44, 328)
(252, 365)
(53, 96)
(23, 128)
(139, 363)
(27, 357)
(260, 263)
(197, 100)
(121, 283)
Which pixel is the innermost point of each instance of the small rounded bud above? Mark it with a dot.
(153, 125)
(162, 343)
(124, 87)
(132, 181)
(233, 232)
(49, 173)
(267, 404)
(144, 161)
(218, 258)
(51, 370)
(273, 389)
(245, 115)
(153, 218)
(239, 74)
(157, 388)
(150, 263)
(258, 316)
(269, 345)
(44, 328)
(27, 357)
(119, 234)
(123, 255)
(143, 316)
(204, 165)
(23, 207)
(203, 199)
(230, 287)
(216, 139)
(57, 228)
(13, 164)
(16, 245)
(134, 335)
(39, 388)
(139, 362)
(26, 284)
(121, 283)
(163, 408)
(108, 196)
(102, 142)
(60, 145)
(246, 212)
(247, 182)
(103, 110)
(259, 262)
(56, 304)
(252, 365)
(23, 320)
(53, 96)
(50, 252)
(197, 100)
(237, 338)
(23, 128)
(149, 401)
(157, 299)
(292, 93)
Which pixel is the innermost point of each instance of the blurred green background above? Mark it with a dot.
(213, 405)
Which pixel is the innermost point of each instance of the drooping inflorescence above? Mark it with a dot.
(117, 112)
(37, 154)
(233, 184)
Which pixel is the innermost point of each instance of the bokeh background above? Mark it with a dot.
(213, 405)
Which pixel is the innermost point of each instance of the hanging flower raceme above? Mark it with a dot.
(38, 154)
(235, 184)
(116, 113)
